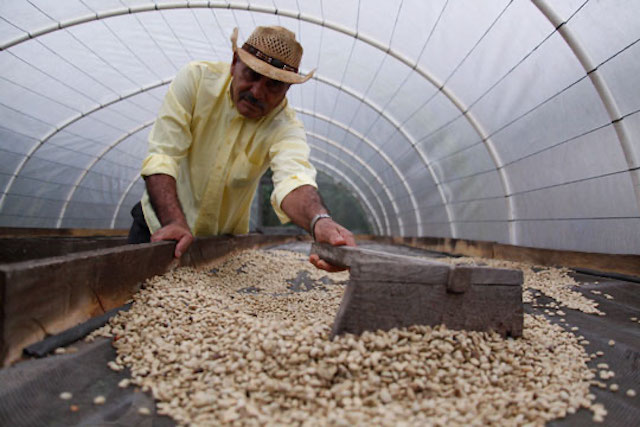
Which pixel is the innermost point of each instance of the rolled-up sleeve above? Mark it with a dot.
(290, 165)
(170, 137)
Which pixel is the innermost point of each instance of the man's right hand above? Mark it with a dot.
(329, 231)
(175, 231)
(164, 199)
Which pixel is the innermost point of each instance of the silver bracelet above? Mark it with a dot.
(312, 225)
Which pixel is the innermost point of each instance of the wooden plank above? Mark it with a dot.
(371, 306)
(347, 256)
(50, 295)
(209, 249)
(368, 264)
(402, 271)
(17, 249)
(61, 232)
(388, 291)
(452, 246)
(614, 263)
(625, 264)
(493, 276)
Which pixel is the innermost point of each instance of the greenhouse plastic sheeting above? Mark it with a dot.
(510, 121)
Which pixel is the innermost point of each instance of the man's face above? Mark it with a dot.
(253, 94)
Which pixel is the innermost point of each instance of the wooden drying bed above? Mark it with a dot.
(46, 296)
(32, 400)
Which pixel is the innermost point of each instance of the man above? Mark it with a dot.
(219, 129)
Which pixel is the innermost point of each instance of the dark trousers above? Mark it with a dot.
(139, 232)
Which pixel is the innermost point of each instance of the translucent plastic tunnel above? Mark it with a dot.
(507, 121)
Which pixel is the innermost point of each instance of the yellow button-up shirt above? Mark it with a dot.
(217, 156)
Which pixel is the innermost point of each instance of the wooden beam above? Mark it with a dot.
(388, 291)
(17, 249)
(626, 264)
(61, 232)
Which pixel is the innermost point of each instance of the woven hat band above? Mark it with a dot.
(274, 62)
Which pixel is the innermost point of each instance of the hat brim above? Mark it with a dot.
(259, 66)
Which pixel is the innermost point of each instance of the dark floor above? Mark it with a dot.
(623, 357)
(29, 392)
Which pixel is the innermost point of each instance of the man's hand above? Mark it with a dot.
(301, 205)
(329, 231)
(175, 231)
(164, 199)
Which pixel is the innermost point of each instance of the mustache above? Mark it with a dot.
(247, 96)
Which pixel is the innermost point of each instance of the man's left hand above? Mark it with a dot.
(329, 231)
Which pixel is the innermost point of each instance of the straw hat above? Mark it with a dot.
(272, 52)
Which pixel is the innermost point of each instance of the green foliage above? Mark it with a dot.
(344, 207)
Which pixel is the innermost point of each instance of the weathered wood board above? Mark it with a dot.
(387, 291)
(617, 264)
(62, 232)
(17, 249)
